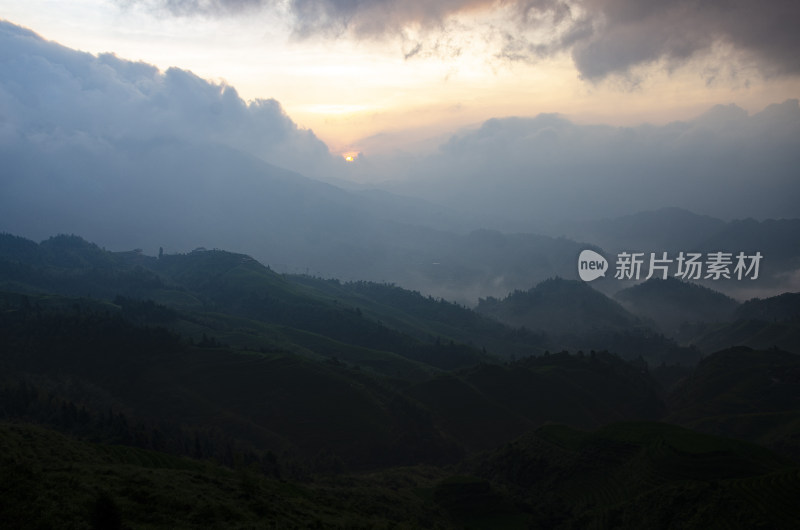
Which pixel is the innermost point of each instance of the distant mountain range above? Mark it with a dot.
(675, 230)
(171, 194)
(666, 229)
(656, 319)
(154, 159)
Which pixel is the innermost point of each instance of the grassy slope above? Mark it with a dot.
(275, 400)
(424, 317)
(756, 334)
(748, 394)
(53, 481)
(626, 475)
(487, 404)
(216, 282)
(644, 475)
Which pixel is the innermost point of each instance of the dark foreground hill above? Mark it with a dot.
(642, 475)
(88, 367)
(757, 323)
(204, 390)
(744, 393)
(629, 475)
(55, 481)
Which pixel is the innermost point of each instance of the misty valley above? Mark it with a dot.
(203, 389)
(485, 265)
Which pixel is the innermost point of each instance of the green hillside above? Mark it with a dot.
(424, 317)
(744, 393)
(286, 399)
(574, 316)
(672, 302)
(278, 401)
(757, 323)
(54, 481)
(203, 284)
(757, 334)
(206, 390)
(781, 308)
(487, 404)
(559, 306)
(643, 475)
(626, 475)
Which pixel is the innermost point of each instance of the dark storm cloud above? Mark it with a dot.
(626, 33)
(603, 36)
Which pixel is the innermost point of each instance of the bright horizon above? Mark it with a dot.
(389, 81)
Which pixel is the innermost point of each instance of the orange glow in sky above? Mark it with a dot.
(354, 92)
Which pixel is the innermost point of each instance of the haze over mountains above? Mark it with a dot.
(542, 170)
(208, 319)
(131, 157)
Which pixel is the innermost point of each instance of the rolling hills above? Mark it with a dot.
(744, 393)
(575, 316)
(205, 388)
(634, 475)
(672, 302)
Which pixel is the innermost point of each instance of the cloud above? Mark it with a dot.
(626, 33)
(128, 155)
(53, 94)
(604, 37)
(608, 37)
(204, 7)
(547, 169)
(364, 18)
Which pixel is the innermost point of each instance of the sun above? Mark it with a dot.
(350, 157)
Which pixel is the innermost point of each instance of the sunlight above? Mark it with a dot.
(333, 109)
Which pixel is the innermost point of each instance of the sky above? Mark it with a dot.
(382, 76)
(523, 118)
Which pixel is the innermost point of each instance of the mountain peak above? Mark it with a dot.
(559, 305)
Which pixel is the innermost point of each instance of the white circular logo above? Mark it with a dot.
(591, 265)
